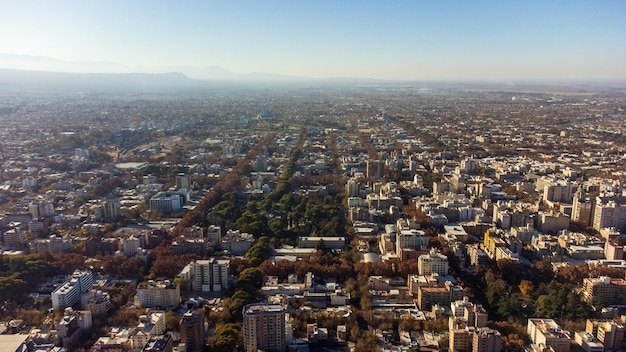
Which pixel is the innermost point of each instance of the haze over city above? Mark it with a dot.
(403, 40)
(340, 176)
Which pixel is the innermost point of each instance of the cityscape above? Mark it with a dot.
(276, 176)
(414, 217)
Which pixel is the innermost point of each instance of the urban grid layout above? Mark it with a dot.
(311, 217)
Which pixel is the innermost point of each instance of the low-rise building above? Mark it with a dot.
(548, 333)
(158, 294)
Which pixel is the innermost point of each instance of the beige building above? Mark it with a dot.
(157, 294)
(609, 333)
(604, 290)
(609, 213)
(433, 262)
(461, 340)
(443, 295)
(548, 333)
(486, 340)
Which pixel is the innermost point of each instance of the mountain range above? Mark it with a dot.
(215, 73)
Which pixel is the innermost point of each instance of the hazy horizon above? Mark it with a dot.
(405, 40)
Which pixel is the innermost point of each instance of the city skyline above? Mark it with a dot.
(560, 40)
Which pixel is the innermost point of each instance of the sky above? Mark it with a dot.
(399, 40)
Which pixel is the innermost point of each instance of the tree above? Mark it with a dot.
(68, 262)
(513, 343)
(259, 252)
(227, 338)
(250, 280)
(237, 301)
(172, 322)
(526, 287)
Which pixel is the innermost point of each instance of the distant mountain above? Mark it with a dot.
(41, 80)
(214, 73)
(42, 63)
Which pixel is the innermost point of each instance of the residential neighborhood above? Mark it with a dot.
(345, 218)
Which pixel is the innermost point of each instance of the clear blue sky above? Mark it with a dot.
(416, 39)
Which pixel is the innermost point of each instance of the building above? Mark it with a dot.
(97, 302)
(151, 324)
(159, 343)
(588, 342)
(53, 245)
(433, 262)
(213, 234)
(582, 207)
(166, 202)
(69, 293)
(328, 242)
(236, 243)
(111, 208)
(264, 328)
(209, 275)
(185, 245)
(609, 333)
(552, 222)
(409, 242)
(73, 327)
(14, 238)
(443, 295)
(604, 290)
(14, 342)
(549, 333)
(130, 245)
(472, 315)
(374, 169)
(461, 340)
(477, 256)
(486, 340)
(609, 213)
(158, 294)
(613, 251)
(192, 332)
(560, 191)
(183, 181)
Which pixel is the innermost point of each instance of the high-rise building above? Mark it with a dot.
(264, 328)
(609, 212)
(192, 332)
(559, 191)
(69, 293)
(111, 208)
(210, 275)
(183, 181)
(582, 207)
(374, 169)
